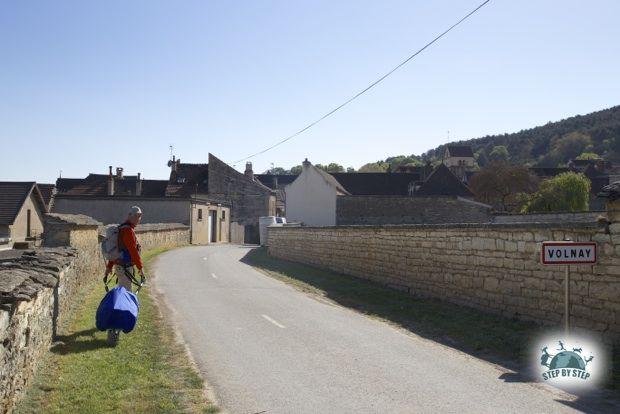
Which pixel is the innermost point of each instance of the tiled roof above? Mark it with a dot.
(460, 151)
(270, 180)
(442, 181)
(12, 197)
(377, 183)
(47, 192)
(330, 179)
(548, 171)
(183, 181)
(96, 185)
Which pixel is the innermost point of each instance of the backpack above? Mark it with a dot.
(109, 245)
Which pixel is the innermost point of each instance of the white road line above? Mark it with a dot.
(276, 323)
(213, 274)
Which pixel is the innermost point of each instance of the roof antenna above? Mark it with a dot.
(60, 174)
(171, 150)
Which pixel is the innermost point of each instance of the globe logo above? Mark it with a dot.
(567, 359)
(566, 363)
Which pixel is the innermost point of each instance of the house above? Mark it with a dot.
(460, 160)
(216, 201)
(443, 182)
(108, 197)
(311, 198)
(22, 211)
(459, 156)
(317, 198)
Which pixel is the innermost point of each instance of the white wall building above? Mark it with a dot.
(311, 198)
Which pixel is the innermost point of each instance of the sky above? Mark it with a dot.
(86, 84)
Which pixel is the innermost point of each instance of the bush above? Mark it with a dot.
(565, 192)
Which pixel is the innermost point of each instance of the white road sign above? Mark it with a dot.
(568, 253)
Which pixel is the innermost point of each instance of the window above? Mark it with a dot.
(199, 214)
(223, 214)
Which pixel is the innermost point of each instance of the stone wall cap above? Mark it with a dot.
(79, 220)
(455, 226)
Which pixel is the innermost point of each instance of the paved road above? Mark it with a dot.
(265, 347)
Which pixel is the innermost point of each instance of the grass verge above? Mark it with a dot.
(148, 372)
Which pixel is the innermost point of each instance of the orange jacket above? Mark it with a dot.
(127, 242)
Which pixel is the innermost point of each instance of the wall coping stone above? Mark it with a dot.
(450, 226)
(72, 220)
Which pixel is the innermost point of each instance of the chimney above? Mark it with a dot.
(248, 170)
(110, 182)
(306, 163)
(119, 173)
(139, 185)
(173, 164)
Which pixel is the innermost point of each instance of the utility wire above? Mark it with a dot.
(372, 85)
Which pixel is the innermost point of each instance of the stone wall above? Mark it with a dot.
(378, 210)
(492, 267)
(38, 289)
(555, 217)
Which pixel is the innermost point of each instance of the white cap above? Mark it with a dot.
(134, 211)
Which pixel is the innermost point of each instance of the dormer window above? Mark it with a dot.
(180, 180)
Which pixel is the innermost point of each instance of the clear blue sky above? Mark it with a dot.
(84, 85)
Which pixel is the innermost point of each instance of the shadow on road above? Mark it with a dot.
(77, 342)
(496, 339)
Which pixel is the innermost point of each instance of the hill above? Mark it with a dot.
(548, 145)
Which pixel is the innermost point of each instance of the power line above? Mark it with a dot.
(372, 85)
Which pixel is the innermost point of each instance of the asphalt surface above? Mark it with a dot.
(265, 347)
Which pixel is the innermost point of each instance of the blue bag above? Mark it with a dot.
(118, 310)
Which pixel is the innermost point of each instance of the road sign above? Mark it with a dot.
(567, 252)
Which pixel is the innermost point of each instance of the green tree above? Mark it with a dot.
(589, 156)
(568, 191)
(350, 169)
(296, 170)
(379, 166)
(499, 153)
(570, 145)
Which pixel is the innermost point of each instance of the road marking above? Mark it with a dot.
(213, 274)
(276, 323)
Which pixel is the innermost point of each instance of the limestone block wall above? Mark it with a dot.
(38, 289)
(492, 267)
(379, 210)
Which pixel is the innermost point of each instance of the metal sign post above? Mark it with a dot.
(567, 302)
(567, 253)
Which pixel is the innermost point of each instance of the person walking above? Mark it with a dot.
(124, 267)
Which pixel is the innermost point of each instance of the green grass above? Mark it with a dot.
(148, 372)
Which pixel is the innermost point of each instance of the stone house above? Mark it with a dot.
(460, 160)
(108, 197)
(22, 209)
(216, 201)
(317, 198)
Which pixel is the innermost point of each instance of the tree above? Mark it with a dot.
(330, 168)
(499, 153)
(568, 191)
(589, 156)
(570, 145)
(296, 170)
(350, 169)
(379, 166)
(501, 184)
